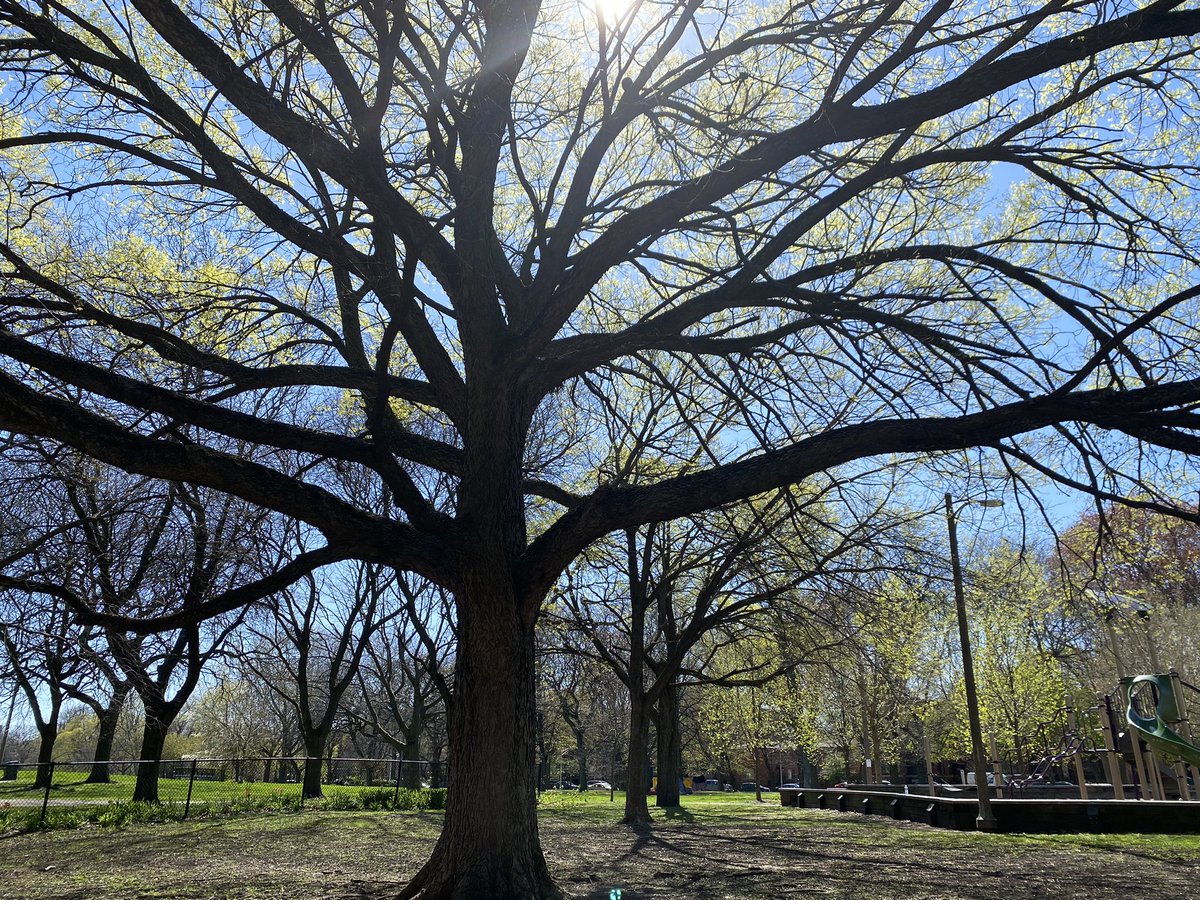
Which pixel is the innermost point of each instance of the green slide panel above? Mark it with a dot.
(1157, 731)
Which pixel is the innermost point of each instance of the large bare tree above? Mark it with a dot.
(431, 241)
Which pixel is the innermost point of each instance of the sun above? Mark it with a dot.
(611, 12)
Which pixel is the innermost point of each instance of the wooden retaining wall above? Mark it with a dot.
(1031, 816)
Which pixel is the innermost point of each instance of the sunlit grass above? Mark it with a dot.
(71, 784)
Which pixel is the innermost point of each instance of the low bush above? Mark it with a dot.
(375, 798)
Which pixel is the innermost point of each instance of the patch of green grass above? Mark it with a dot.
(1177, 847)
(120, 813)
(703, 808)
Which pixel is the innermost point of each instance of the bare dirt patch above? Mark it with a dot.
(734, 851)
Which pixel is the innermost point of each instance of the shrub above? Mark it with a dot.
(117, 815)
(376, 798)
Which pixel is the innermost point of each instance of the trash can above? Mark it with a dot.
(10, 770)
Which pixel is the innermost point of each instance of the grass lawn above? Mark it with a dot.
(719, 846)
(69, 784)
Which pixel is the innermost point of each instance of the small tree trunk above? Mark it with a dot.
(154, 737)
(636, 810)
(877, 753)
(106, 736)
(669, 753)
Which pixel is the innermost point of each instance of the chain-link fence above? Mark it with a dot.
(191, 786)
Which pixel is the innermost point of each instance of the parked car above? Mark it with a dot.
(790, 785)
(599, 786)
(748, 787)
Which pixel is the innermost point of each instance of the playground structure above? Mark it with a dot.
(1145, 747)
(1146, 751)
(1153, 710)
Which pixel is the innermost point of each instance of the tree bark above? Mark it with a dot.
(314, 751)
(48, 732)
(154, 737)
(489, 847)
(669, 753)
(757, 779)
(106, 735)
(637, 812)
(410, 755)
(582, 758)
(876, 751)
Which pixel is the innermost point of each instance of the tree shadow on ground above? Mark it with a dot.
(678, 812)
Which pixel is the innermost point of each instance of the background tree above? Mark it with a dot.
(232, 720)
(1133, 551)
(172, 548)
(318, 632)
(41, 646)
(406, 674)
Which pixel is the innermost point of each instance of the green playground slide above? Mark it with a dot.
(1157, 731)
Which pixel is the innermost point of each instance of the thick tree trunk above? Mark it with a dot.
(314, 751)
(410, 766)
(669, 752)
(489, 848)
(582, 759)
(106, 736)
(49, 735)
(637, 812)
(154, 737)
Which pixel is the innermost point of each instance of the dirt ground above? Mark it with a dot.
(746, 852)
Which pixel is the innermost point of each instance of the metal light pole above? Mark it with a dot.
(986, 820)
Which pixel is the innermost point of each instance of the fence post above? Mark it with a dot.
(46, 797)
(187, 804)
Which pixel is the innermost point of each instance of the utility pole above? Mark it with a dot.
(986, 820)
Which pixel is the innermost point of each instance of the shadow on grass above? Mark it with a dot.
(678, 812)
